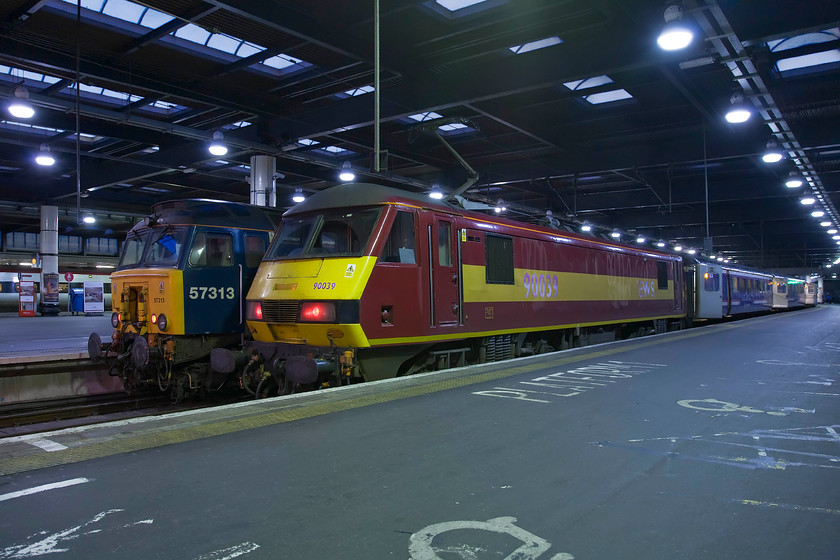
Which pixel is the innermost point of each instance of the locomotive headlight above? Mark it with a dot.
(162, 322)
(115, 320)
(253, 311)
(317, 311)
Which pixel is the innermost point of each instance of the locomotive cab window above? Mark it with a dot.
(133, 247)
(400, 246)
(339, 234)
(165, 246)
(499, 258)
(211, 249)
(662, 275)
(255, 246)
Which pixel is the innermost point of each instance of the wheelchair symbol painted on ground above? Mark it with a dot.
(714, 405)
(420, 543)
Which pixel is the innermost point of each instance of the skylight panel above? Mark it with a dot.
(154, 19)
(535, 45)
(335, 150)
(455, 5)
(193, 33)
(18, 73)
(815, 62)
(239, 124)
(588, 83)
(124, 10)
(452, 127)
(428, 116)
(804, 40)
(224, 43)
(282, 61)
(308, 142)
(607, 96)
(359, 91)
(247, 49)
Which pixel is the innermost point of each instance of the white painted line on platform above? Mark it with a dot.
(47, 445)
(43, 488)
(232, 552)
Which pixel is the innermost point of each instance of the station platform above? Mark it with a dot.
(47, 357)
(716, 442)
(44, 338)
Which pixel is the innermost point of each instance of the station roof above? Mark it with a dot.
(561, 105)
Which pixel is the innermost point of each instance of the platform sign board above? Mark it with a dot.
(94, 297)
(49, 295)
(26, 298)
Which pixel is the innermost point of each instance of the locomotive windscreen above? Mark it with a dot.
(329, 234)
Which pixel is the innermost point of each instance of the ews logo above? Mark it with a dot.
(646, 289)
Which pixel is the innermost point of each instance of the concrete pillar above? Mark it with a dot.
(49, 260)
(263, 169)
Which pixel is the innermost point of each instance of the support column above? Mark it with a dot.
(49, 260)
(263, 170)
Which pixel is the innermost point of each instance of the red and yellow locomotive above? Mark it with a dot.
(368, 282)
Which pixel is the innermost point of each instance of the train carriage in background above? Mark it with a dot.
(367, 282)
(67, 281)
(178, 292)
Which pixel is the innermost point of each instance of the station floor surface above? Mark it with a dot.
(716, 442)
(54, 337)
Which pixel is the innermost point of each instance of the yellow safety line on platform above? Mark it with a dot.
(126, 443)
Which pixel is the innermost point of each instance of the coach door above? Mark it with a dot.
(444, 277)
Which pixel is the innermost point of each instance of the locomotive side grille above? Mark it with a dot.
(280, 311)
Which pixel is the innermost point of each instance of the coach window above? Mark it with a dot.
(498, 252)
(212, 249)
(255, 246)
(662, 274)
(400, 246)
(711, 282)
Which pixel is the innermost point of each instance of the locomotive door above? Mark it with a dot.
(444, 273)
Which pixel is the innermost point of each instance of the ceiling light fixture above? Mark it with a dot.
(217, 147)
(676, 34)
(831, 231)
(298, 196)
(739, 110)
(794, 180)
(44, 157)
(640, 239)
(818, 213)
(678, 248)
(436, 193)
(615, 234)
(773, 154)
(20, 106)
(807, 200)
(89, 219)
(825, 223)
(586, 227)
(346, 173)
(500, 206)
(660, 243)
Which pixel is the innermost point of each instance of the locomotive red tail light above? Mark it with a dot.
(317, 311)
(154, 319)
(253, 311)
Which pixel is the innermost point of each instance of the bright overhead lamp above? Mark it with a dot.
(692, 251)
(825, 223)
(298, 196)
(676, 34)
(436, 193)
(500, 206)
(586, 227)
(773, 154)
(89, 219)
(831, 231)
(835, 237)
(660, 243)
(20, 106)
(217, 147)
(739, 110)
(807, 200)
(615, 234)
(678, 248)
(818, 213)
(44, 157)
(794, 180)
(640, 239)
(346, 173)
